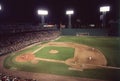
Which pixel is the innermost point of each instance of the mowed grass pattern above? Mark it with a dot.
(63, 53)
(110, 47)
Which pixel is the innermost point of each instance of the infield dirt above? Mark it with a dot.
(85, 57)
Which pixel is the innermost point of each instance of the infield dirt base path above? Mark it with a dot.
(51, 77)
(85, 57)
(40, 76)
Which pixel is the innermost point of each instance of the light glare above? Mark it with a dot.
(42, 12)
(104, 8)
(69, 12)
(0, 7)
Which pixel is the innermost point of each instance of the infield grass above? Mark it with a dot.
(63, 53)
(109, 46)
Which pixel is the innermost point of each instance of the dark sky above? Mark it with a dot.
(26, 10)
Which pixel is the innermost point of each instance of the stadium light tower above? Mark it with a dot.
(69, 13)
(104, 10)
(42, 13)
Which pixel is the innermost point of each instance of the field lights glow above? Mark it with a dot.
(69, 12)
(42, 12)
(0, 7)
(104, 8)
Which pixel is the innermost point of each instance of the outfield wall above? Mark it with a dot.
(119, 15)
(91, 32)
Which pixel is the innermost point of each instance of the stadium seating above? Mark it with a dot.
(16, 41)
(6, 77)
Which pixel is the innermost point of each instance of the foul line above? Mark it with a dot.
(38, 50)
(56, 38)
(50, 60)
(81, 69)
(107, 67)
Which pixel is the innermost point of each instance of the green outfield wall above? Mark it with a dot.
(119, 15)
(90, 32)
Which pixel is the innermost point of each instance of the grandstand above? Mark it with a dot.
(13, 41)
(24, 36)
(17, 36)
(20, 38)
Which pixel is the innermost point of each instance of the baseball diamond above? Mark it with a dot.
(81, 55)
(63, 56)
(59, 40)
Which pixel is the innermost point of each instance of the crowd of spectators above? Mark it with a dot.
(12, 39)
(16, 41)
(17, 28)
(6, 77)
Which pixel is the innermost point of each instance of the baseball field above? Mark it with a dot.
(86, 57)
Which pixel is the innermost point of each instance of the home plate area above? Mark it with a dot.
(85, 57)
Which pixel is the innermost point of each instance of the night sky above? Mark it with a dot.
(25, 11)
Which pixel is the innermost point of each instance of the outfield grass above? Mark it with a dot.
(109, 46)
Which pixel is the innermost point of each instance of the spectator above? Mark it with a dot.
(13, 42)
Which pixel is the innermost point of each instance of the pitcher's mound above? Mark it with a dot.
(53, 51)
